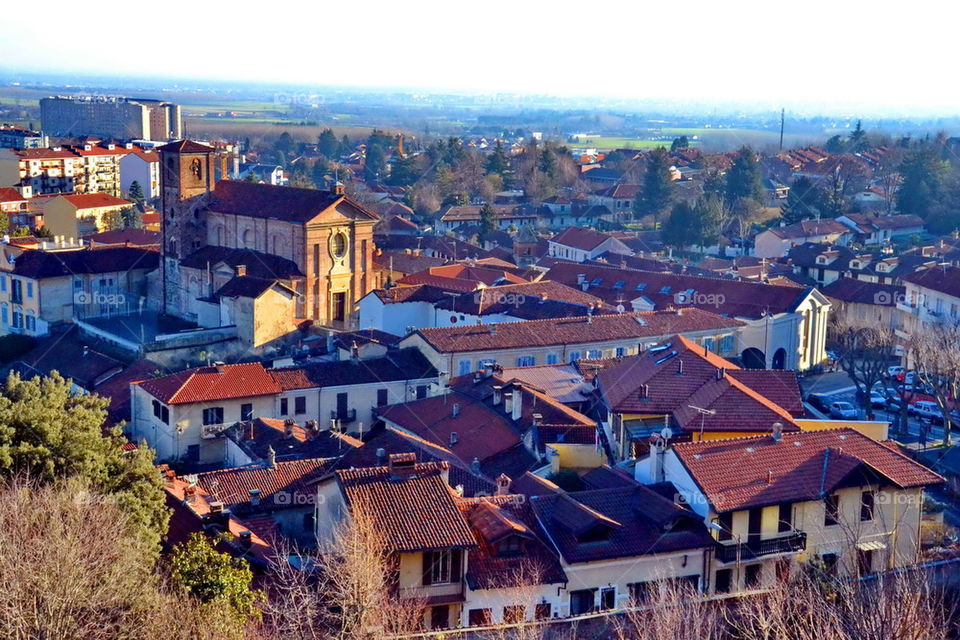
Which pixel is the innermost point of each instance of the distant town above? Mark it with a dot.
(277, 375)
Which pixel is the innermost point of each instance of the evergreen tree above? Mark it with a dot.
(112, 221)
(488, 221)
(680, 143)
(135, 193)
(678, 228)
(497, 162)
(743, 179)
(132, 217)
(801, 201)
(858, 138)
(328, 145)
(284, 144)
(548, 162)
(657, 191)
(52, 433)
(835, 144)
(215, 578)
(404, 172)
(922, 177)
(375, 163)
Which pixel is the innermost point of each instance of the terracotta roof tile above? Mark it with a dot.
(204, 384)
(751, 472)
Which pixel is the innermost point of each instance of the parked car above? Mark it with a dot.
(819, 402)
(926, 410)
(843, 410)
(878, 400)
(893, 372)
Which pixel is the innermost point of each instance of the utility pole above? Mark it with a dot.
(783, 113)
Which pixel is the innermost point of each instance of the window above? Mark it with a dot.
(479, 617)
(464, 367)
(639, 591)
(753, 574)
(594, 354)
(246, 412)
(308, 521)
(618, 284)
(542, 611)
(29, 289)
(3, 284)
(665, 289)
(515, 613)
(831, 510)
(421, 391)
(722, 581)
(830, 563)
(864, 561)
(525, 361)
(283, 406)
(552, 358)
(300, 405)
(165, 414)
(726, 344)
(608, 597)
(213, 415)
(621, 351)
(156, 409)
(31, 321)
(441, 567)
(17, 319)
(785, 518)
(382, 398)
(512, 546)
(709, 344)
(581, 601)
(867, 501)
(725, 520)
(641, 286)
(574, 356)
(3, 313)
(16, 291)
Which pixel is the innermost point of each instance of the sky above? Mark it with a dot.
(845, 52)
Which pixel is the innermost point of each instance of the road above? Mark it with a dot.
(837, 386)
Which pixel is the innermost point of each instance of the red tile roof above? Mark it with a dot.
(186, 146)
(810, 228)
(943, 279)
(204, 384)
(280, 203)
(573, 331)
(292, 477)
(752, 472)
(95, 200)
(9, 194)
(580, 238)
(415, 513)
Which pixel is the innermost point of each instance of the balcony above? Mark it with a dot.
(344, 417)
(787, 543)
(435, 594)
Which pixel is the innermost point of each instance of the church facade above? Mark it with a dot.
(317, 244)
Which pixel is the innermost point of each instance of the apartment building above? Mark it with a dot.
(931, 296)
(76, 169)
(113, 117)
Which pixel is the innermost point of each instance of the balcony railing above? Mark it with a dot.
(788, 543)
(350, 415)
(452, 591)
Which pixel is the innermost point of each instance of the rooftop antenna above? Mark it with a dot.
(703, 415)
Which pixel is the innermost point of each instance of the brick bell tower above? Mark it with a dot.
(186, 182)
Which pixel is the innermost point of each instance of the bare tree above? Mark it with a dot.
(935, 353)
(865, 353)
(669, 610)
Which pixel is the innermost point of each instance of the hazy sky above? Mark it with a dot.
(840, 51)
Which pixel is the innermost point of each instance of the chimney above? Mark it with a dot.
(86, 350)
(288, 428)
(517, 407)
(777, 431)
(241, 270)
(590, 315)
(679, 367)
(721, 371)
(337, 189)
(497, 394)
(652, 471)
(381, 456)
(475, 466)
(454, 438)
(402, 465)
(508, 403)
(271, 458)
(456, 409)
(581, 279)
(537, 419)
(493, 328)
(503, 485)
(254, 497)
(246, 539)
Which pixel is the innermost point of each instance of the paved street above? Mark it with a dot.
(837, 386)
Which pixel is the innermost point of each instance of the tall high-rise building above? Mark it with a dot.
(111, 117)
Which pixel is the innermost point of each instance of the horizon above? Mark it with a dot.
(576, 57)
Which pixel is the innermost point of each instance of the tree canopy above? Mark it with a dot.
(657, 192)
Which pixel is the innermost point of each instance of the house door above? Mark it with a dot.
(341, 406)
(753, 526)
(339, 306)
(440, 617)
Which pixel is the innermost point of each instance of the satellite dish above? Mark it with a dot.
(621, 308)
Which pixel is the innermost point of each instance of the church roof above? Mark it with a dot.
(280, 203)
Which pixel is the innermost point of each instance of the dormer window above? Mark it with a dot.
(597, 533)
(510, 546)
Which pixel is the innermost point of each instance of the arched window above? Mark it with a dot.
(247, 238)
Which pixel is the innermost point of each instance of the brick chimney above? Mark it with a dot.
(241, 270)
(402, 465)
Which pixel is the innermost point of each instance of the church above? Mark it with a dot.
(262, 257)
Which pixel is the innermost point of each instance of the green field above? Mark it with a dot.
(607, 142)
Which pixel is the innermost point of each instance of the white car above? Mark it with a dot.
(926, 410)
(878, 400)
(843, 410)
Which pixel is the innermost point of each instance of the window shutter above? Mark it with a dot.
(427, 566)
(455, 555)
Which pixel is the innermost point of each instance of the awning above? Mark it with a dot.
(873, 545)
